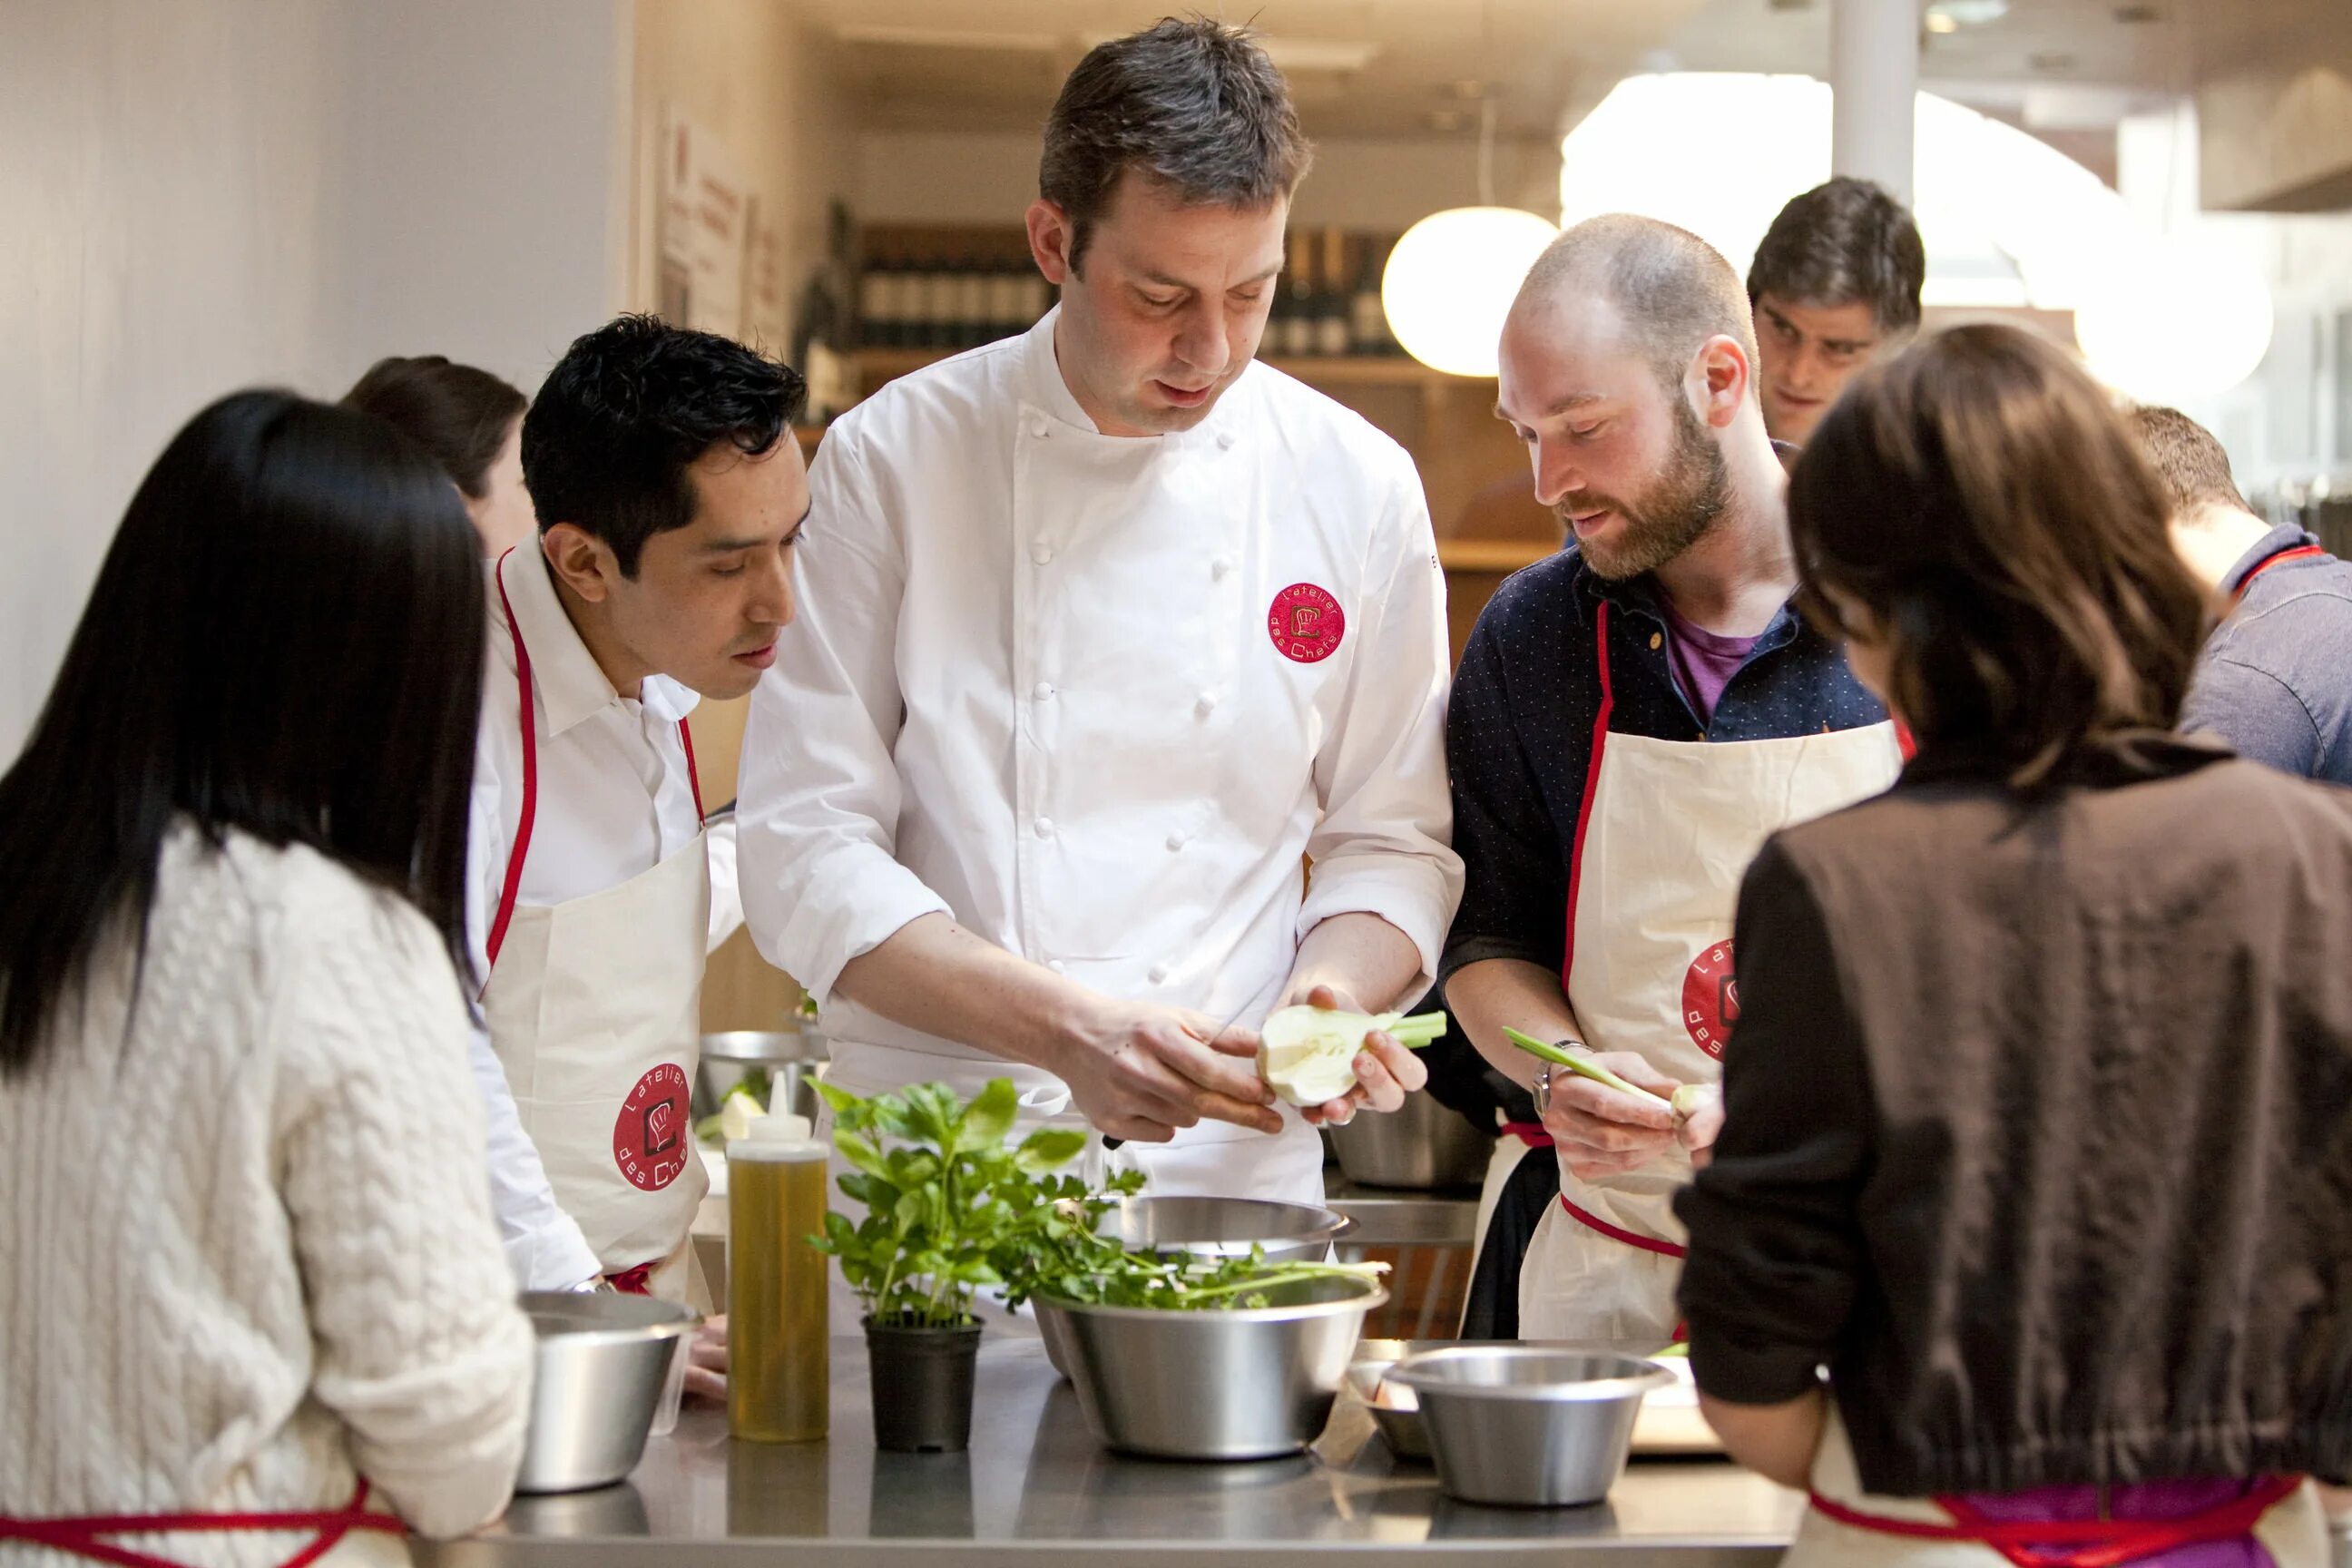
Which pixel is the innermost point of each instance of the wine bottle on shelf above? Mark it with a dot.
(973, 321)
(876, 286)
(1333, 303)
(1007, 296)
(1368, 323)
(1297, 297)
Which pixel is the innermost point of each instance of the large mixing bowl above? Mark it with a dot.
(1525, 1425)
(1424, 1145)
(603, 1363)
(1250, 1383)
(784, 1060)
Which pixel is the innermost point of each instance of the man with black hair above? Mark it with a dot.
(670, 494)
(1834, 284)
(1115, 626)
(2272, 679)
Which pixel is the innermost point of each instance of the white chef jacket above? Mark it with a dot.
(615, 801)
(1033, 684)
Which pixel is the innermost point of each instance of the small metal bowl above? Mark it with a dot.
(1226, 1227)
(602, 1365)
(1528, 1426)
(1252, 1382)
(1395, 1409)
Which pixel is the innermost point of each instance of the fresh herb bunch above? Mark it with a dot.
(1063, 1256)
(947, 1199)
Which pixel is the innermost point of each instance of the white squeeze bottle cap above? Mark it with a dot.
(786, 1137)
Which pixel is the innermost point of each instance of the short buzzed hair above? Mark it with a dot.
(2185, 457)
(1846, 242)
(1192, 103)
(1673, 289)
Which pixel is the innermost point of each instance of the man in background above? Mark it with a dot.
(1835, 284)
(2274, 680)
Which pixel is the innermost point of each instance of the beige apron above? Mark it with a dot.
(2292, 1529)
(1668, 830)
(594, 1010)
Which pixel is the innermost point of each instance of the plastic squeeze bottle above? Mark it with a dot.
(778, 1372)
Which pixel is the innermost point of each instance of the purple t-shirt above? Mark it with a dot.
(1704, 661)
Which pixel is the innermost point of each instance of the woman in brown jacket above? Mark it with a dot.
(2034, 1131)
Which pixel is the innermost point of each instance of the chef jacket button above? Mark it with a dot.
(1221, 567)
(1041, 553)
(1043, 691)
(1206, 705)
(1045, 827)
(1057, 966)
(1225, 440)
(1039, 429)
(1158, 975)
(1175, 842)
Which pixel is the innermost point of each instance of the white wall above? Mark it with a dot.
(203, 196)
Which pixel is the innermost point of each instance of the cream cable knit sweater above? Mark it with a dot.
(246, 1245)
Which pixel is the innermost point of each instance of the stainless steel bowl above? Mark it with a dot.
(603, 1363)
(1226, 1227)
(1525, 1425)
(1395, 1409)
(1422, 1145)
(789, 1058)
(1249, 1383)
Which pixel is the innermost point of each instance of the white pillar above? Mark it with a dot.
(1873, 76)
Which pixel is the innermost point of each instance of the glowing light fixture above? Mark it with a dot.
(1450, 282)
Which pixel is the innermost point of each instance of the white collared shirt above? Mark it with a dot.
(615, 801)
(1034, 682)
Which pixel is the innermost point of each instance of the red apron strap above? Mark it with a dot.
(1904, 740)
(1591, 782)
(521, 847)
(2075, 1543)
(1614, 1233)
(635, 1281)
(79, 1536)
(693, 774)
(2300, 552)
(1530, 1133)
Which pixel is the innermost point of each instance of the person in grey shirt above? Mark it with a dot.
(2276, 677)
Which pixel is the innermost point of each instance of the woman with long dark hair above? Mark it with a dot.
(2033, 1122)
(469, 421)
(251, 1268)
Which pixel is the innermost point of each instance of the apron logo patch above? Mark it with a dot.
(1306, 624)
(649, 1135)
(1711, 1000)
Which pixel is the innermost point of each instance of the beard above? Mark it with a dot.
(1671, 515)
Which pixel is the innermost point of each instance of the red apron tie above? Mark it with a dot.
(78, 1537)
(513, 885)
(2075, 1543)
(1530, 1133)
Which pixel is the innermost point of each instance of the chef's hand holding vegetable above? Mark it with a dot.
(1146, 1070)
(1610, 1111)
(1329, 1057)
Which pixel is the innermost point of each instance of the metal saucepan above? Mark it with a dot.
(603, 1363)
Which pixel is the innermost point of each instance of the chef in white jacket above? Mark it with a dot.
(1105, 629)
(670, 494)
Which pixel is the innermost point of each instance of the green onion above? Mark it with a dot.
(1583, 1068)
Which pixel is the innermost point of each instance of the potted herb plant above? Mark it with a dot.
(945, 1195)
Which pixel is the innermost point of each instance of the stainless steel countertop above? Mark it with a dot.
(1035, 1488)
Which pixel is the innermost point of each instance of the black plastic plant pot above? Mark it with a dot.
(922, 1385)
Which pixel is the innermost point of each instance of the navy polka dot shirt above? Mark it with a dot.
(1518, 733)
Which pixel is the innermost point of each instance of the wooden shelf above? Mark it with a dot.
(1491, 554)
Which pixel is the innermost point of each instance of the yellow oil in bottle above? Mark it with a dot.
(778, 1368)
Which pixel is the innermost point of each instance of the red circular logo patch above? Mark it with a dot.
(1306, 624)
(649, 1135)
(1711, 1000)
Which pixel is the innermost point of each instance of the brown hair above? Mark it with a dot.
(2185, 456)
(1980, 500)
(1843, 243)
(460, 416)
(1194, 104)
(1672, 290)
